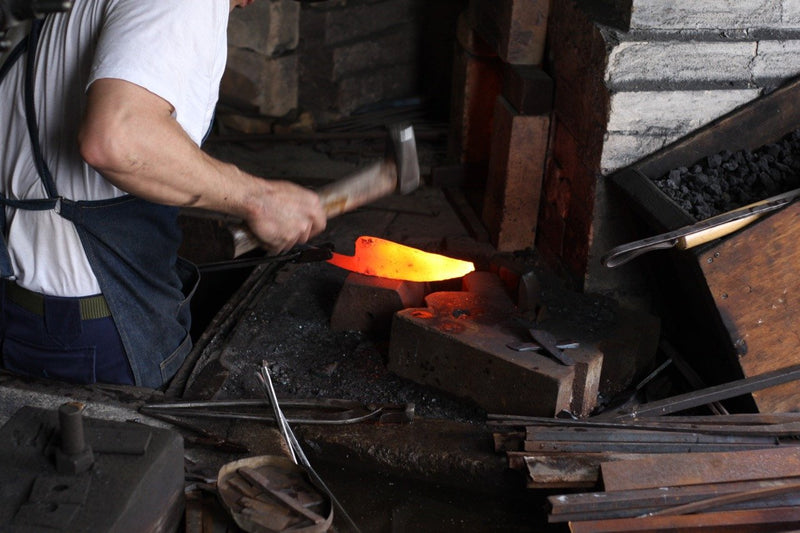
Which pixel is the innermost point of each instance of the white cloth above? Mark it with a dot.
(175, 49)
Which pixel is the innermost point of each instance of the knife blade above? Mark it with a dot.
(386, 259)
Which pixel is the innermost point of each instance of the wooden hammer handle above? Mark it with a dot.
(372, 183)
(360, 188)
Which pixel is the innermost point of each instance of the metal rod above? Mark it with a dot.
(231, 415)
(283, 426)
(725, 391)
(294, 446)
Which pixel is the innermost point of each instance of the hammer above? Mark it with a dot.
(398, 171)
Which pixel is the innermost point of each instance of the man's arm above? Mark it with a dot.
(128, 134)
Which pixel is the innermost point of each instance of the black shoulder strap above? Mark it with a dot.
(30, 111)
(12, 58)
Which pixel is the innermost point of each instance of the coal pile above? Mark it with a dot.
(728, 180)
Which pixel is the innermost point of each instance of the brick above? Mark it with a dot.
(644, 122)
(458, 343)
(358, 20)
(397, 46)
(711, 14)
(568, 197)
(270, 27)
(791, 13)
(516, 169)
(490, 286)
(477, 82)
(674, 63)
(385, 83)
(528, 89)
(267, 84)
(777, 60)
(367, 303)
(672, 112)
(581, 103)
(469, 40)
(517, 29)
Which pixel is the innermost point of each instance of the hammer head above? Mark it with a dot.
(403, 150)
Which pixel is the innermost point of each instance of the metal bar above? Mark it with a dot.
(725, 391)
(230, 415)
(689, 374)
(683, 424)
(640, 447)
(324, 403)
(767, 519)
(209, 438)
(595, 505)
(719, 501)
(546, 433)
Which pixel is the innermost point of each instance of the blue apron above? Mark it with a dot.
(132, 247)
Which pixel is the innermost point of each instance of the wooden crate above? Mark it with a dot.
(733, 303)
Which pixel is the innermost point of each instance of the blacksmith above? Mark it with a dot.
(102, 113)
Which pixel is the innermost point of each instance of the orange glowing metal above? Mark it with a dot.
(386, 259)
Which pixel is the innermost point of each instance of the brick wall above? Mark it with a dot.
(632, 76)
(331, 58)
(626, 78)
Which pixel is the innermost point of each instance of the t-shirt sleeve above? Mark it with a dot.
(171, 48)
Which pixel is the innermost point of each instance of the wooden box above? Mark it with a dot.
(732, 304)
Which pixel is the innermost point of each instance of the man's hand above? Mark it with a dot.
(130, 136)
(285, 215)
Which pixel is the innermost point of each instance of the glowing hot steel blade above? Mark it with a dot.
(386, 259)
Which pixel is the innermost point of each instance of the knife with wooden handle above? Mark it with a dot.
(700, 232)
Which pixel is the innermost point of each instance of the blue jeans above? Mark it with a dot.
(57, 343)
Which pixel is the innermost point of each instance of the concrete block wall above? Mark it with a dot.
(681, 64)
(625, 90)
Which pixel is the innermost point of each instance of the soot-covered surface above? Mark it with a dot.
(287, 325)
(728, 180)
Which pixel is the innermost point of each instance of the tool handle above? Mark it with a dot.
(360, 188)
(710, 234)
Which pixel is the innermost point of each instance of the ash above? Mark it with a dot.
(729, 180)
(288, 326)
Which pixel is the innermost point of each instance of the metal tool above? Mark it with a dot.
(550, 345)
(283, 426)
(299, 254)
(700, 397)
(205, 438)
(312, 412)
(523, 346)
(701, 232)
(398, 171)
(294, 446)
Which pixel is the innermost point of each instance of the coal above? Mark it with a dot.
(728, 180)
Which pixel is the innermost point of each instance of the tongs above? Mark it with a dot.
(303, 253)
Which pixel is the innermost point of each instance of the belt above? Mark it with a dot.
(91, 306)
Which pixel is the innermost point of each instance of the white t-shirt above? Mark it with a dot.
(173, 48)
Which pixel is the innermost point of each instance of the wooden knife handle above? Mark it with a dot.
(707, 235)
